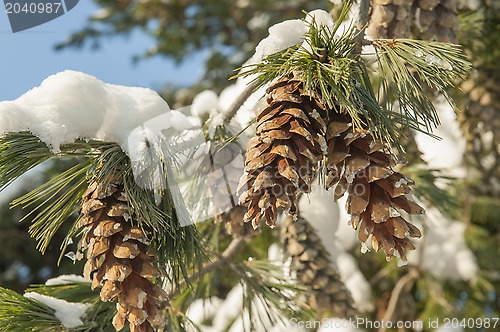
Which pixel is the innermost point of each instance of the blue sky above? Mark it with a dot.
(27, 57)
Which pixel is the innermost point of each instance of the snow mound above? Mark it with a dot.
(72, 105)
(69, 314)
(289, 33)
(206, 102)
(66, 280)
(448, 152)
(444, 252)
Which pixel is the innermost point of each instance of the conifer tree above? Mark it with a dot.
(329, 114)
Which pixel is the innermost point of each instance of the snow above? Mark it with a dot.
(69, 314)
(206, 102)
(281, 36)
(448, 152)
(330, 219)
(442, 251)
(66, 280)
(203, 309)
(289, 33)
(355, 281)
(320, 17)
(319, 209)
(72, 105)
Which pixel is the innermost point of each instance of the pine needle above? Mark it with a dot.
(18, 313)
(54, 202)
(404, 63)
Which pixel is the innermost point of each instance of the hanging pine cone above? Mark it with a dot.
(437, 20)
(480, 122)
(281, 161)
(360, 165)
(119, 257)
(422, 19)
(390, 19)
(311, 263)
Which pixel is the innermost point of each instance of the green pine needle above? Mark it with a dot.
(280, 298)
(54, 202)
(180, 249)
(403, 62)
(19, 314)
(98, 317)
(331, 66)
(20, 152)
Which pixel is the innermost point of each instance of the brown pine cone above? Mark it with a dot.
(311, 262)
(361, 166)
(480, 122)
(119, 257)
(390, 19)
(282, 160)
(437, 20)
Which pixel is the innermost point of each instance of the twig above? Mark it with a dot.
(223, 259)
(240, 100)
(396, 292)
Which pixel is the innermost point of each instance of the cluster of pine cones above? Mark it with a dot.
(295, 131)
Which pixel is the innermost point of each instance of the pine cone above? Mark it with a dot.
(311, 262)
(359, 165)
(437, 20)
(282, 159)
(422, 19)
(480, 122)
(390, 19)
(119, 257)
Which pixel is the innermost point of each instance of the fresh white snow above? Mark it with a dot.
(69, 314)
(281, 36)
(448, 152)
(72, 105)
(206, 102)
(289, 33)
(442, 250)
(65, 279)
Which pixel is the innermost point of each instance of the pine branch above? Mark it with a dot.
(402, 61)
(98, 317)
(264, 282)
(238, 102)
(222, 259)
(19, 313)
(396, 292)
(51, 207)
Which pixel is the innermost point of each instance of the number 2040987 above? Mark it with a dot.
(33, 8)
